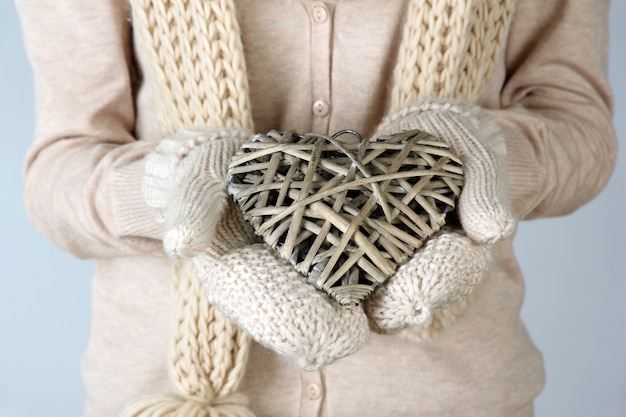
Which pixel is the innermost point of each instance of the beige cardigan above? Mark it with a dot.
(327, 67)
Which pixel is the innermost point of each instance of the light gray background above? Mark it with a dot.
(575, 267)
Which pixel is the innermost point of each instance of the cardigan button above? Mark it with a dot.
(321, 108)
(320, 13)
(314, 392)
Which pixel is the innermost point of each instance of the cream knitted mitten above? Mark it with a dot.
(484, 209)
(450, 265)
(253, 286)
(441, 274)
(263, 294)
(184, 184)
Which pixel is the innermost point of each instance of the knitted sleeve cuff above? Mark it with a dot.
(130, 216)
(526, 175)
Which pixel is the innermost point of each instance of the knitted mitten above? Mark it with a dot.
(450, 265)
(263, 294)
(483, 208)
(184, 184)
(441, 274)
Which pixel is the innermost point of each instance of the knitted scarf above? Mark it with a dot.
(448, 50)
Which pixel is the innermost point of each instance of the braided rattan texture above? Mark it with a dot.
(345, 215)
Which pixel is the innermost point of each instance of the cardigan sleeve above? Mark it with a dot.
(556, 106)
(83, 172)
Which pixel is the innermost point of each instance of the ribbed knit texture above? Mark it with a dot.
(448, 50)
(162, 164)
(198, 63)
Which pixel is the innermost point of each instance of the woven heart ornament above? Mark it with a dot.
(346, 215)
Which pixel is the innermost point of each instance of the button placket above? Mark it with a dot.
(321, 44)
(312, 393)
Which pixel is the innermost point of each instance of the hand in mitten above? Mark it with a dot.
(184, 184)
(251, 285)
(264, 295)
(451, 264)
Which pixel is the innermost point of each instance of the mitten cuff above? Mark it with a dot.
(477, 139)
(161, 165)
(133, 217)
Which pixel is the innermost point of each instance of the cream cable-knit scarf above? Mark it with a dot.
(448, 50)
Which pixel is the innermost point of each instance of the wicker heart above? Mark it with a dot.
(345, 215)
